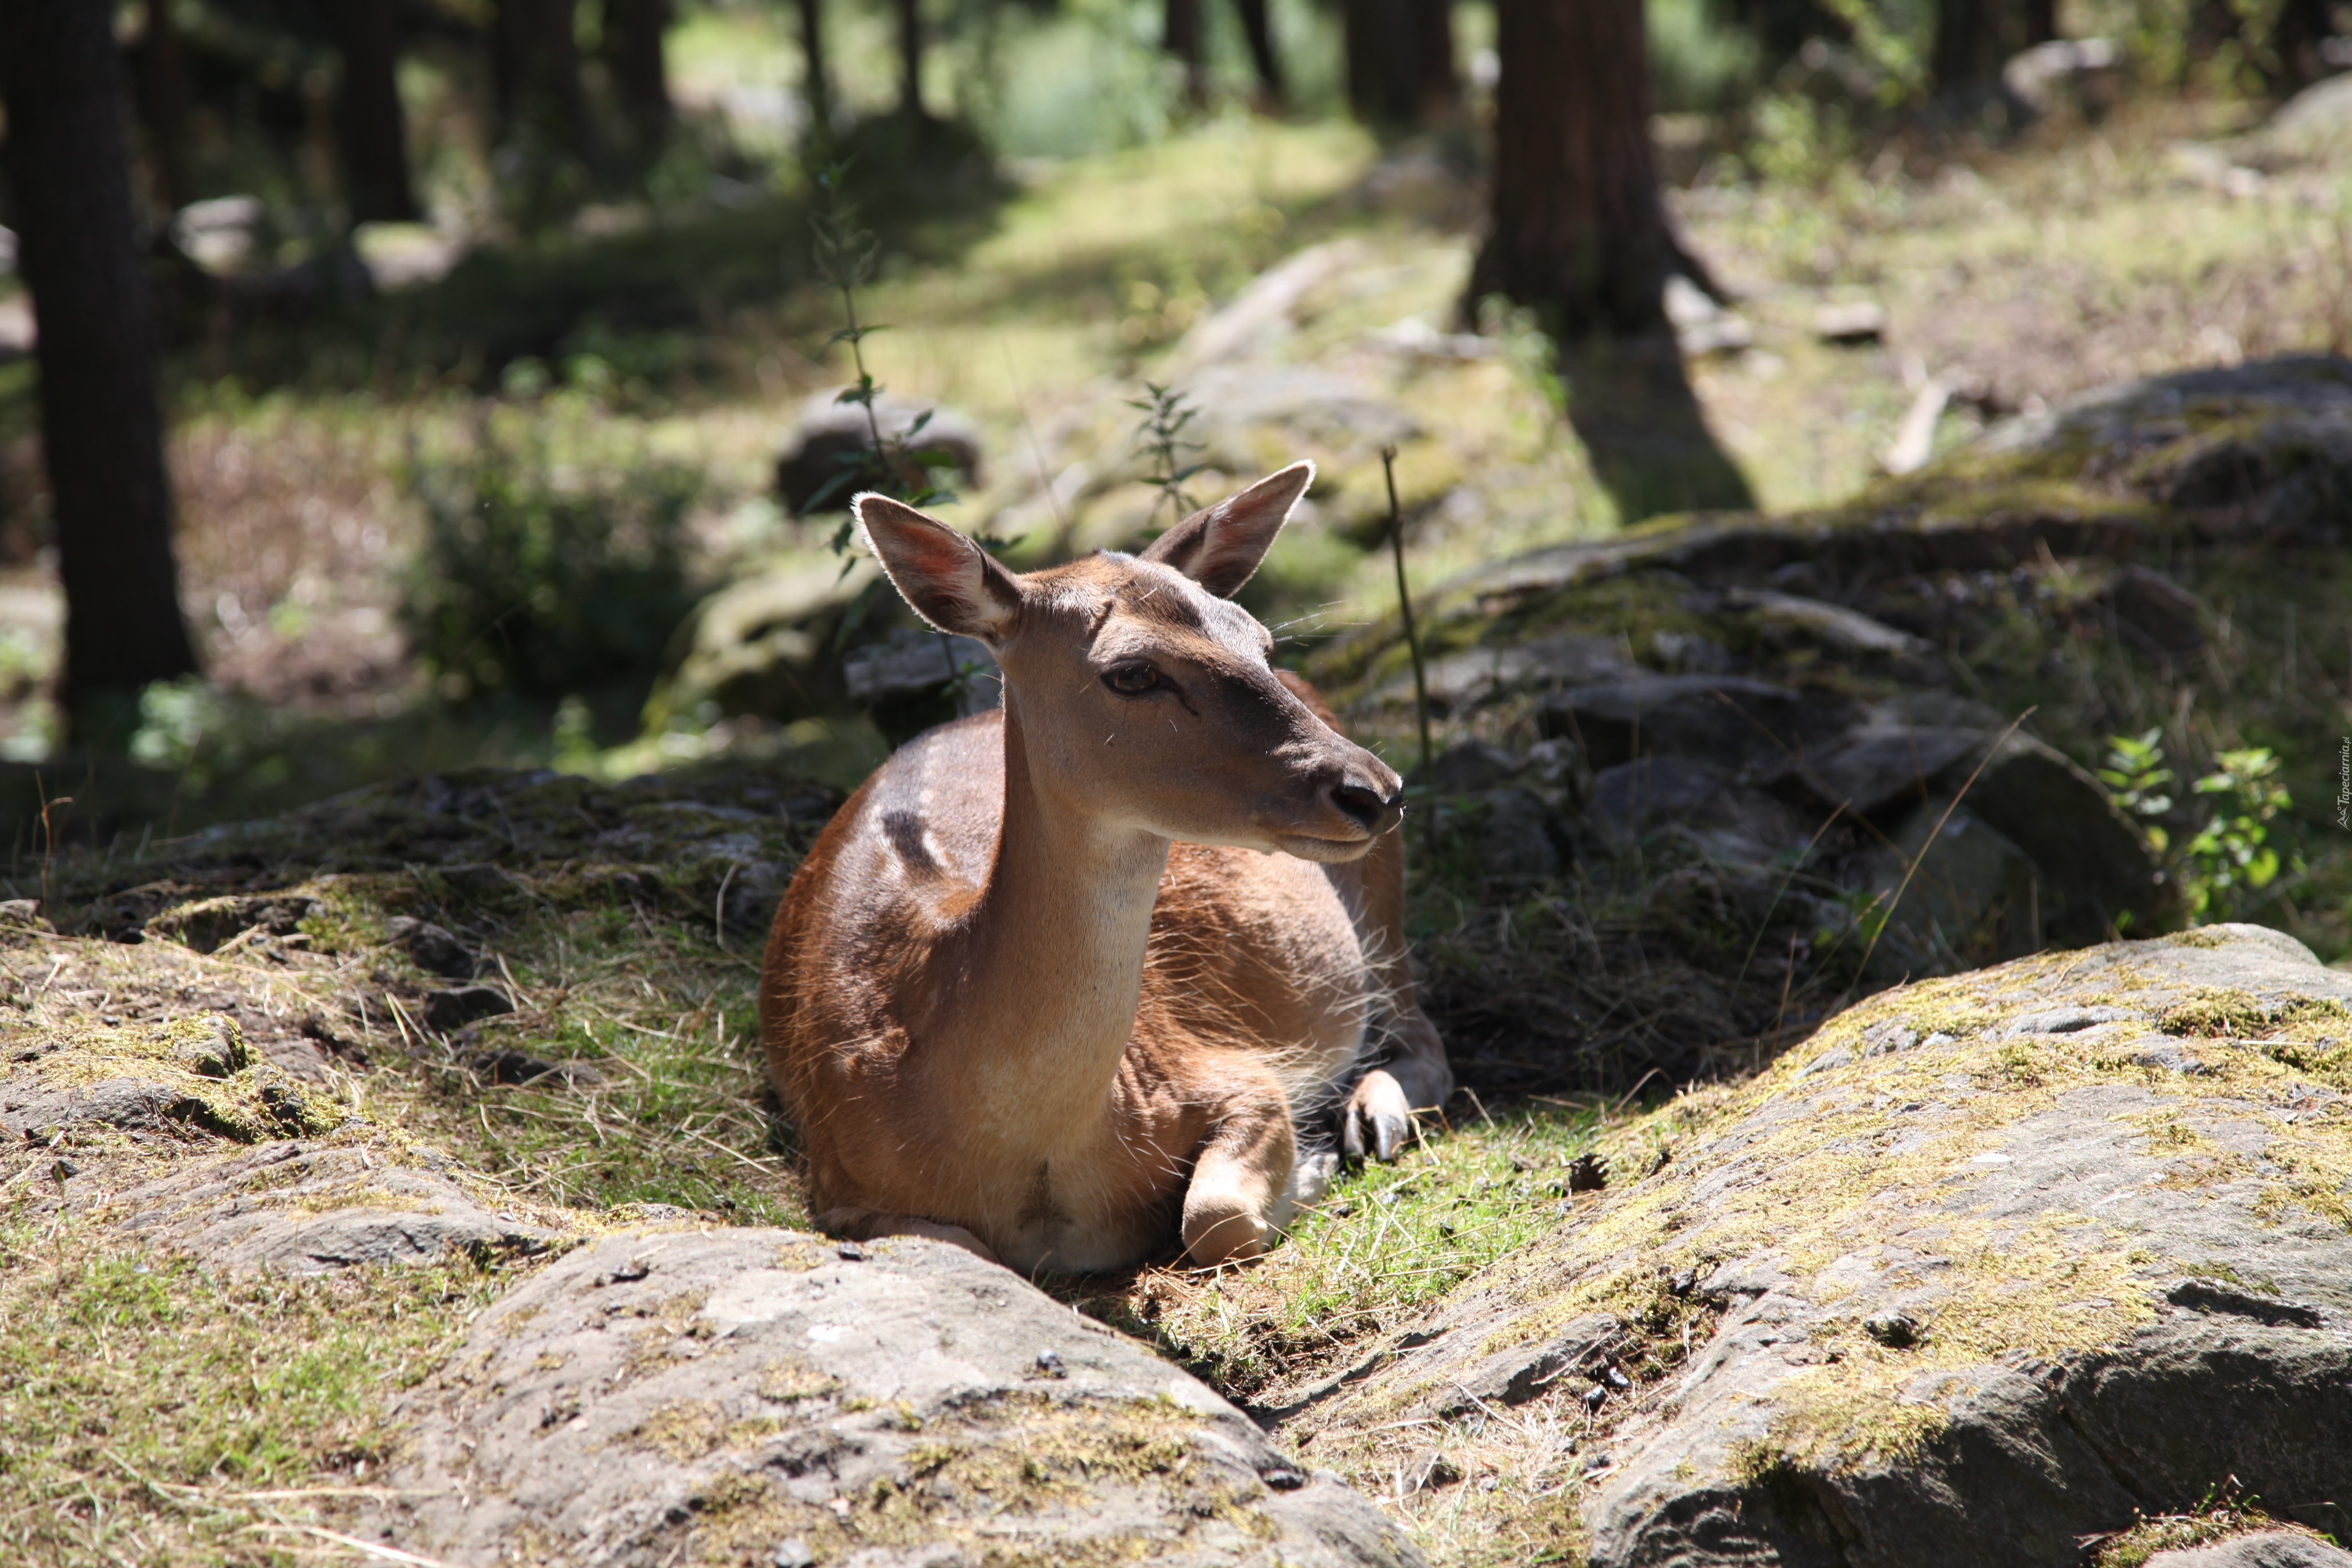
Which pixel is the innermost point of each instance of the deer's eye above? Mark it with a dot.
(1132, 679)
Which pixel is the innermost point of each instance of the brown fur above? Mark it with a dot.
(1005, 1001)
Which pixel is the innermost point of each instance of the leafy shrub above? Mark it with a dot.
(2231, 854)
(544, 571)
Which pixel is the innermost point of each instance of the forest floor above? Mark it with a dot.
(616, 921)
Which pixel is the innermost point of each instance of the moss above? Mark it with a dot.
(1019, 1455)
(686, 1429)
(2224, 1516)
(199, 1068)
(790, 1380)
(2229, 1276)
(1830, 1164)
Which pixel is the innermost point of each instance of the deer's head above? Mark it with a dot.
(1143, 696)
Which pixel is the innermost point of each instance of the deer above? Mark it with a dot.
(1073, 978)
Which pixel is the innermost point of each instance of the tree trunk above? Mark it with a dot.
(1437, 91)
(910, 59)
(102, 427)
(535, 70)
(1781, 28)
(1579, 236)
(635, 62)
(374, 130)
(1181, 36)
(166, 74)
(2295, 38)
(1578, 233)
(1383, 82)
(1258, 30)
(1974, 39)
(816, 80)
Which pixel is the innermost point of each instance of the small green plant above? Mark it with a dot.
(546, 567)
(2231, 854)
(1161, 437)
(892, 463)
(2135, 778)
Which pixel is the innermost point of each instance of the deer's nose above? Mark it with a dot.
(1368, 808)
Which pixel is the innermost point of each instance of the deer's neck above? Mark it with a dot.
(1047, 964)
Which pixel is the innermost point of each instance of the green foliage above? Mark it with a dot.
(1893, 38)
(1800, 141)
(193, 730)
(547, 565)
(893, 464)
(1697, 63)
(2135, 778)
(2162, 38)
(2230, 856)
(1161, 437)
(1386, 1240)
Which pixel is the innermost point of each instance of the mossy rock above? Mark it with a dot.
(192, 1073)
(2258, 453)
(755, 1396)
(1985, 1267)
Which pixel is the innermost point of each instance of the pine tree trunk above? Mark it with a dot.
(817, 78)
(635, 62)
(166, 98)
(1258, 28)
(1578, 233)
(1383, 85)
(1974, 39)
(535, 67)
(1437, 89)
(102, 427)
(1181, 36)
(374, 130)
(910, 60)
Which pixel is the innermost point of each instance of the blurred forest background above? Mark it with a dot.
(479, 360)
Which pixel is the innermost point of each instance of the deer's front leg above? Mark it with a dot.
(1239, 1194)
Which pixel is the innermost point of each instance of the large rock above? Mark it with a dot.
(1677, 748)
(1992, 1265)
(311, 1208)
(2262, 1548)
(763, 644)
(192, 1073)
(828, 433)
(765, 1396)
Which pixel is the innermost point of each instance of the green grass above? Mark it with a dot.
(1386, 1239)
(666, 1020)
(152, 1412)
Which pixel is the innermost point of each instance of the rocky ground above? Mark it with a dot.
(392, 1175)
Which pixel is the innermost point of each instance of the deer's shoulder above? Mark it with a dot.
(927, 818)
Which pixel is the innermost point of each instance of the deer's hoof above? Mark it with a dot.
(1378, 1121)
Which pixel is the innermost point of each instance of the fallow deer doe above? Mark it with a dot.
(1063, 979)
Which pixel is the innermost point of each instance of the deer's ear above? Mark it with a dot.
(950, 581)
(1220, 548)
